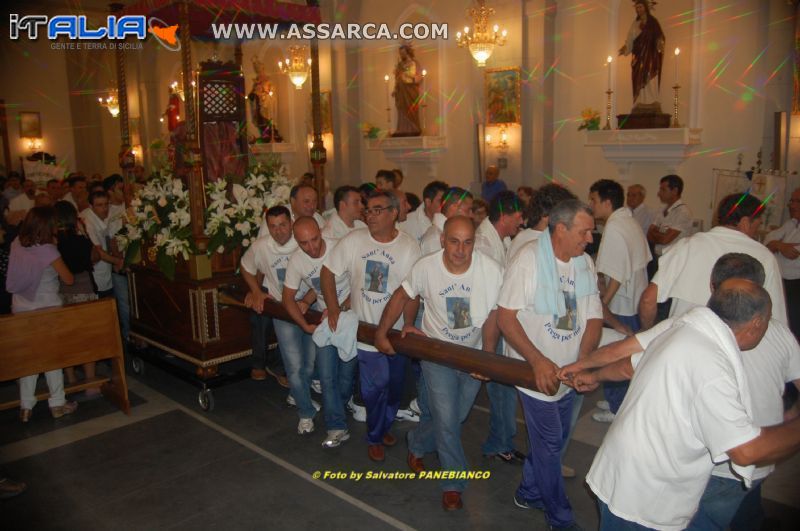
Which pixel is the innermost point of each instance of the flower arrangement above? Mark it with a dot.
(369, 130)
(591, 120)
(159, 213)
(234, 221)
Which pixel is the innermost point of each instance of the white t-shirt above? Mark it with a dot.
(789, 232)
(558, 339)
(431, 240)
(682, 407)
(304, 270)
(684, 272)
(376, 270)
(271, 259)
(623, 256)
(416, 224)
(523, 237)
(97, 230)
(336, 229)
(450, 298)
(774, 362)
(489, 243)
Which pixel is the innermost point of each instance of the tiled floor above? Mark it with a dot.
(242, 466)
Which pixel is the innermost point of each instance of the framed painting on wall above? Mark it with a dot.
(502, 92)
(30, 125)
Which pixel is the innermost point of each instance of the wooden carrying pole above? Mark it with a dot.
(493, 366)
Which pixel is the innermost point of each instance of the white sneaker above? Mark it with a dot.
(407, 414)
(335, 438)
(291, 403)
(414, 406)
(603, 416)
(305, 426)
(316, 386)
(603, 404)
(359, 412)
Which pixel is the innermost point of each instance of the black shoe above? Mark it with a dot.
(513, 456)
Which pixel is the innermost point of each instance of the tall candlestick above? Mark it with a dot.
(422, 100)
(608, 65)
(388, 107)
(677, 53)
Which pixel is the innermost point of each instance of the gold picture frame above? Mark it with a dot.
(502, 95)
(30, 125)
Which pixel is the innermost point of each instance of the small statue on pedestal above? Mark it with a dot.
(407, 81)
(646, 42)
(263, 107)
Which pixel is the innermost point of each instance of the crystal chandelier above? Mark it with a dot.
(111, 102)
(296, 66)
(481, 40)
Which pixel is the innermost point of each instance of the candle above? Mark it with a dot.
(677, 53)
(608, 64)
(388, 107)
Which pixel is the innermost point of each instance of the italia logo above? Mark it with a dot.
(75, 27)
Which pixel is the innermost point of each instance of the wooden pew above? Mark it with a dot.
(65, 336)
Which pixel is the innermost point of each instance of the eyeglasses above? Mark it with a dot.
(376, 211)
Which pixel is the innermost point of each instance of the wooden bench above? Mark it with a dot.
(65, 336)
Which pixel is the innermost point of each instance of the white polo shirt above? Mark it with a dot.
(271, 259)
(336, 228)
(450, 299)
(789, 232)
(682, 412)
(303, 271)
(376, 270)
(677, 216)
(416, 224)
(623, 256)
(431, 240)
(488, 241)
(644, 216)
(558, 339)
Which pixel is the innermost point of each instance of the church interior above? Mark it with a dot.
(210, 121)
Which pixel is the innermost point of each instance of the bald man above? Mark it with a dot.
(455, 202)
(460, 287)
(336, 376)
(642, 213)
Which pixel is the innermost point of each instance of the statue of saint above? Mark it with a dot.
(262, 109)
(646, 42)
(407, 82)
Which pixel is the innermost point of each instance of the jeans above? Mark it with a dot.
(120, 286)
(336, 378)
(614, 392)
(261, 357)
(719, 504)
(611, 522)
(548, 428)
(298, 352)
(502, 415)
(451, 394)
(382, 380)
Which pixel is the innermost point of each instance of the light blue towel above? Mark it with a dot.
(549, 299)
(344, 338)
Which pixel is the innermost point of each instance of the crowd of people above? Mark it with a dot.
(688, 333)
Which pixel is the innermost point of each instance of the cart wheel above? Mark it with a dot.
(206, 400)
(137, 364)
